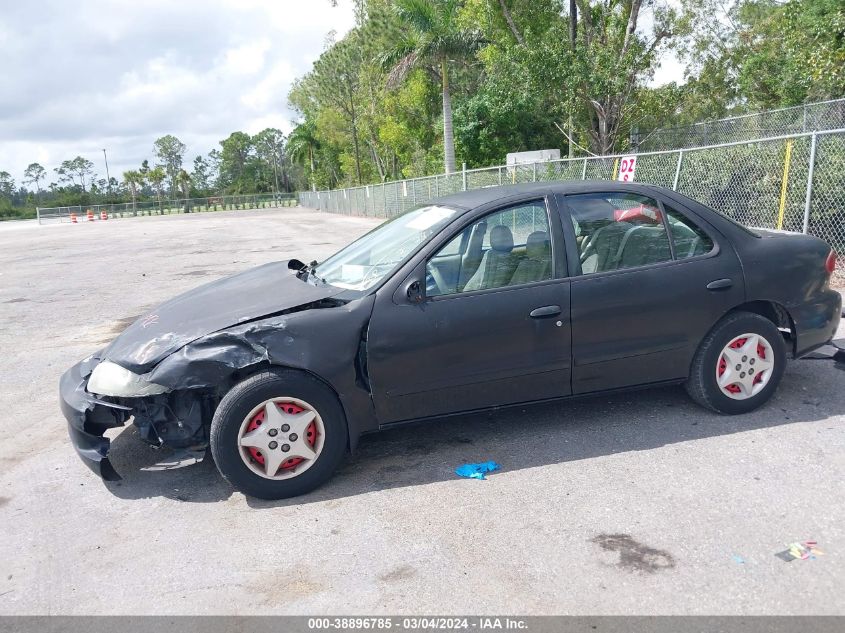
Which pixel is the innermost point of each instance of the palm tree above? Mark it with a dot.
(133, 179)
(303, 142)
(156, 177)
(183, 179)
(434, 39)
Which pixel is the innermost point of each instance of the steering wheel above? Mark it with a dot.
(437, 278)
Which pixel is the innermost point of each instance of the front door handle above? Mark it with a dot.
(545, 312)
(720, 284)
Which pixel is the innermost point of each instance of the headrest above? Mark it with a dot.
(537, 245)
(501, 239)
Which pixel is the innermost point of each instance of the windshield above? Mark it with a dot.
(366, 261)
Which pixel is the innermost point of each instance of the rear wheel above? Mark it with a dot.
(738, 365)
(278, 434)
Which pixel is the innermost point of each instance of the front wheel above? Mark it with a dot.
(738, 365)
(278, 434)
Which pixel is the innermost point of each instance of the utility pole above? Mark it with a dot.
(108, 177)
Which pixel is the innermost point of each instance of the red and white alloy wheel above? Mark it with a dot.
(281, 438)
(745, 366)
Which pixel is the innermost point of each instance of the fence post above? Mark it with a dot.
(534, 166)
(787, 159)
(500, 175)
(464, 170)
(384, 198)
(810, 169)
(38, 214)
(678, 170)
(584, 170)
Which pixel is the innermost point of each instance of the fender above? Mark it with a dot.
(311, 340)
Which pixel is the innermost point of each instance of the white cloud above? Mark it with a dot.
(104, 73)
(247, 59)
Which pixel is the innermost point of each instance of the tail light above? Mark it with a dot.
(830, 263)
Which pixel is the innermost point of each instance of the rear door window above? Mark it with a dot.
(689, 239)
(618, 230)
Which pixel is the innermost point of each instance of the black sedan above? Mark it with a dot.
(482, 299)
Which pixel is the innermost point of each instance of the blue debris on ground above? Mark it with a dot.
(476, 471)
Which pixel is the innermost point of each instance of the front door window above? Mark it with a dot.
(510, 247)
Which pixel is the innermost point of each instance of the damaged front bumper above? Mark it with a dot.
(88, 417)
(175, 419)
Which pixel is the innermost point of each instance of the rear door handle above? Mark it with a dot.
(720, 284)
(544, 312)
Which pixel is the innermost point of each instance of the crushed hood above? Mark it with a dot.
(253, 294)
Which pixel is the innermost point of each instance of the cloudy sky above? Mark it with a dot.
(82, 76)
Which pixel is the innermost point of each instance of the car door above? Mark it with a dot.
(494, 333)
(651, 279)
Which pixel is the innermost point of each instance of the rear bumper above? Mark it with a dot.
(88, 418)
(816, 322)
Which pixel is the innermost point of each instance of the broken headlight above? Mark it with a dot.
(110, 379)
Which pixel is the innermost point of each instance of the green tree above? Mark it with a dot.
(302, 144)
(433, 40)
(7, 184)
(170, 151)
(133, 180)
(236, 152)
(34, 174)
(214, 160)
(201, 175)
(270, 147)
(75, 171)
(184, 180)
(759, 54)
(156, 177)
(334, 83)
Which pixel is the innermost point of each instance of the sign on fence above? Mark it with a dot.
(627, 167)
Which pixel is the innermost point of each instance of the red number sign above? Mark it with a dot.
(627, 167)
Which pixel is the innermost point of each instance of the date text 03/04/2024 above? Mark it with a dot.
(417, 623)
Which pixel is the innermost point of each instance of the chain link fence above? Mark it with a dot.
(794, 183)
(80, 213)
(812, 117)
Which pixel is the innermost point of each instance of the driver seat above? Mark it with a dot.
(498, 263)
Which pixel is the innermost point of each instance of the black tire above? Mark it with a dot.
(251, 392)
(702, 385)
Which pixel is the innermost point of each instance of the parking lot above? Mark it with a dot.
(639, 503)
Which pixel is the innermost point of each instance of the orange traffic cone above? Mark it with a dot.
(73, 218)
(104, 215)
(90, 216)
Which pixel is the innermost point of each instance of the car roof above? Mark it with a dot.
(476, 197)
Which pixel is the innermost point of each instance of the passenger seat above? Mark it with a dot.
(537, 264)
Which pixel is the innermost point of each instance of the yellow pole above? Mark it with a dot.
(513, 175)
(615, 169)
(785, 183)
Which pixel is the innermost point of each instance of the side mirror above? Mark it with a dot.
(414, 292)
